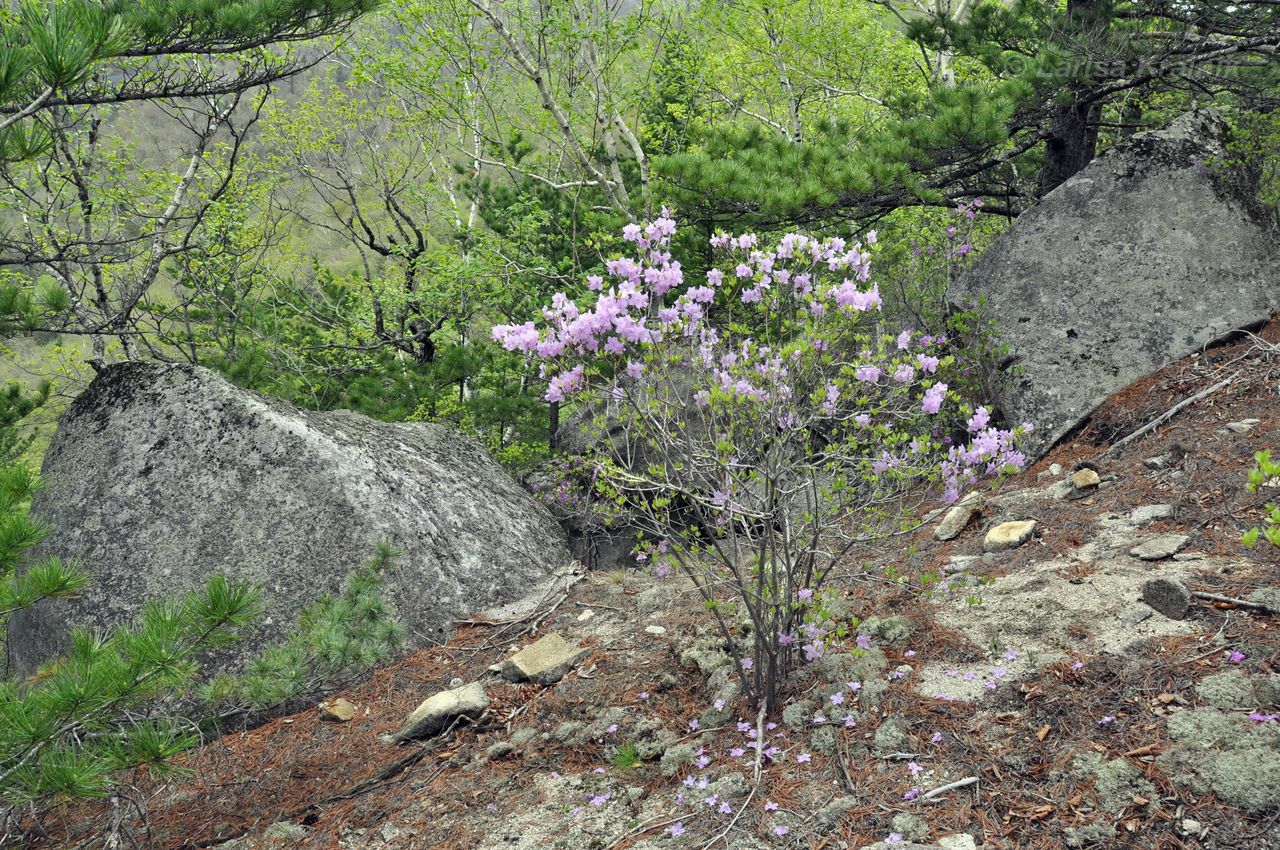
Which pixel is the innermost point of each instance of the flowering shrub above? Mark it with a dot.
(1265, 470)
(757, 423)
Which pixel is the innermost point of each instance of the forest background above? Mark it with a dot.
(334, 202)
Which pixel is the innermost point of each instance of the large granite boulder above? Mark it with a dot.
(1148, 254)
(160, 476)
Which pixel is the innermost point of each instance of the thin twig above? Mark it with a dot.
(1243, 603)
(1168, 414)
(952, 786)
(759, 743)
(733, 822)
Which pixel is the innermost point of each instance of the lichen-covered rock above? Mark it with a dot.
(162, 476)
(911, 827)
(829, 815)
(1235, 758)
(1166, 255)
(1118, 782)
(890, 737)
(1228, 689)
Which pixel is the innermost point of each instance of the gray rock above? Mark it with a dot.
(1135, 616)
(1159, 547)
(1063, 489)
(1168, 596)
(162, 476)
(1009, 535)
(1268, 596)
(1244, 426)
(1124, 236)
(436, 712)
(1151, 513)
(957, 520)
(543, 662)
(959, 841)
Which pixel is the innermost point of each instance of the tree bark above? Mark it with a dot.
(1073, 140)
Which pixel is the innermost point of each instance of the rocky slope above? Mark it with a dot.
(1073, 681)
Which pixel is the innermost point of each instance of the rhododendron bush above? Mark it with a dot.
(758, 423)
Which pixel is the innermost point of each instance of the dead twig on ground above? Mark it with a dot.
(951, 786)
(1168, 414)
(1231, 600)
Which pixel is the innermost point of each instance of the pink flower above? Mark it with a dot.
(770, 806)
(781, 830)
(933, 398)
(677, 829)
(803, 758)
(1236, 657)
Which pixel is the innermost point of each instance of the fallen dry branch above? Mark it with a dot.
(1231, 600)
(1168, 414)
(951, 786)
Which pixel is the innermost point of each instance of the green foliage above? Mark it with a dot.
(93, 711)
(55, 53)
(1253, 154)
(626, 756)
(18, 534)
(16, 403)
(125, 699)
(336, 638)
(1265, 473)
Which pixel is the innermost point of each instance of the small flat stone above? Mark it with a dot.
(1244, 426)
(586, 615)
(1055, 469)
(1136, 616)
(1159, 547)
(1009, 535)
(1085, 479)
(338, 711)
(544, 662)
(435, 713)
(957, 520)
(959, 841)
(1157, 462)
(1168, 596)
(655, 630)
(1150, 513)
